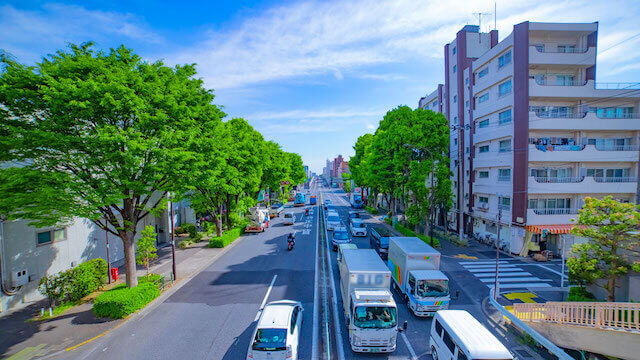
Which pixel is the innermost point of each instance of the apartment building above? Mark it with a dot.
(533, 133)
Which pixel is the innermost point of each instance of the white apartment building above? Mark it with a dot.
(533, 133)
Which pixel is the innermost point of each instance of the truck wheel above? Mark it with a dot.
(434, 353)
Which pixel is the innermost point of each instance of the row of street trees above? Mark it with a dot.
(107, 136)
(406, 160)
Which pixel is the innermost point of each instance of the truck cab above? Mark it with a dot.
(427, 292)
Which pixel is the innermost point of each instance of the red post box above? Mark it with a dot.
(114, 274)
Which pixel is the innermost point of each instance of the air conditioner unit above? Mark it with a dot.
(19, 278)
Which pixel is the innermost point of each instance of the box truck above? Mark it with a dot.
(416, 274)
(356, 200)
(369, 308)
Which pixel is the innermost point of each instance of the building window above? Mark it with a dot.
(540, 47)
(51, 236)
(466, 103)
(467, 151)
(504, 174)
(454, 69)
(483, 174)
(505, 117)
(550, 206)
(455, 141)
(505, 145)
(504, 88)
(484, 123)
(483, 149)
(565, 80)
(566, 48)
(466, 81)
(504, 59)
(483, 98)
(455, 120)
(504, 203)
(455, 99)
(483, 72)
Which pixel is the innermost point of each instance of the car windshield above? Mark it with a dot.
(429, 288)
(375, 317)
(340, 235)
(275, 206)
(270, 340)
(288, 215)
(333, 218)
(359, 225)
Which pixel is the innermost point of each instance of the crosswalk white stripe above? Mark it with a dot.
(513, 279)
(482, 262)
(493, 274)
(522, 285)
(488, 268)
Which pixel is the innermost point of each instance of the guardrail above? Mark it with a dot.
(617, 316)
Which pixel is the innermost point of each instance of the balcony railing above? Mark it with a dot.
(581, 50)
(558, 115)
(550, 82)
(601, 147)
(504, 207)
(621, 116)
(560, 147)
(504, 178)
(615, 179)
(555, 211)
(559, 179)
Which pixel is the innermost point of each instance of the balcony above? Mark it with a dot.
(582, 58)
(582, 121)
(495, 130)
(578, 89)
(551, 216)
(582, 153)
(581, 185)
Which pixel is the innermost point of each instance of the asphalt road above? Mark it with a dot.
(213, 315)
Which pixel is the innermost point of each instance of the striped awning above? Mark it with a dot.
(551, 229)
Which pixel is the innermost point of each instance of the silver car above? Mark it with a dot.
(333, 220)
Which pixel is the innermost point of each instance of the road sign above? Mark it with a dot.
(284, 182)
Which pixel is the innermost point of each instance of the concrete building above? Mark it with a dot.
(36, 252)
(533, 133)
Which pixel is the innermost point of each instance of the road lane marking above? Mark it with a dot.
(525, 297)
(502, 274)
(520, 285)
(546, 268)
(336, 320)
(314, 341)
(466, 263)
(266, 296)
(406, 342)
(513, 279)
(465, 256)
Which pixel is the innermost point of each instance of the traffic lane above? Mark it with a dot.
(416, 326)
(213, 315)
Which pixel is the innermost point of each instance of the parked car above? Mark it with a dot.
(358, 228)
(333, 220)
(379, 240)
(276, 210)
(289, 218)
(327, 202)
(354, 215)
(340, 236)
(277, 335)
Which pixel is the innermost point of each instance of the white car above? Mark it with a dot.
(333, 220)
(358, 228)
(340, 236)
(289, 218)
(277, 334)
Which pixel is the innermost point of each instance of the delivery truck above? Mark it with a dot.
(416, 274)
(356, 200)
(369, 309)
(299, 199)
(258, 220)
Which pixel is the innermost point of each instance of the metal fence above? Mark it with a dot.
(601, 315)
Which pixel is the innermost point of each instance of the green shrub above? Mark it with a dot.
(227, 237)
(408, 232)
(188, 228)
(152, 278)
(185, 244)
(451, 238)
(122, 300)
(387, 220)
(75, 283)
(371, 210)
(208, 227)
(197, 237)
(579, 293)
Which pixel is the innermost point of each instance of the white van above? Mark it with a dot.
(455, 334)
(277, 336)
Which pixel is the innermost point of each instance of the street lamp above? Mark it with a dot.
(173, 244)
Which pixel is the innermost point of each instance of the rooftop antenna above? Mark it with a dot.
(480, 14)
(495, 15)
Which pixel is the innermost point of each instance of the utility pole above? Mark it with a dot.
(173, 244)
(431, 207)
(495, 286)
(106, 231)
(562, 271)
(460, 184)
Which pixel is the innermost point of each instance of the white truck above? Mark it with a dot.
(415, 268)
(258, 219)
(369, 309)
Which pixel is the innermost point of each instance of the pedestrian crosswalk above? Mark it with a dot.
(510, 274)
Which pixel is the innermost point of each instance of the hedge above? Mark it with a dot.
(407, 232)
(227, 237)
(578, 293)
(122, 300)
(75, 283)
(371, 210)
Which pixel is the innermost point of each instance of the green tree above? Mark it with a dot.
(107, 132)
(611, 228)
(346, 179)
(358, 164)
(146, 248)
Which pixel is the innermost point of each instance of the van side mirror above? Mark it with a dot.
(404, 326)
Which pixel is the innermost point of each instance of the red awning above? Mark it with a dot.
(552, 229)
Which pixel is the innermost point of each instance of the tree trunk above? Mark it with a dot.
(218, 221)
(129, 244)
(611, 281)
(228, 218)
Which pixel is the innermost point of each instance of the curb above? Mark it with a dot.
(154, 303)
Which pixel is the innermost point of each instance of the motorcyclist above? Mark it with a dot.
(306, 211)
(291, 238)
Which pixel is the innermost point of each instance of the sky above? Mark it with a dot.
(311, 75)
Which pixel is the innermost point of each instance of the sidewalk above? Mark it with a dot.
(23, 339)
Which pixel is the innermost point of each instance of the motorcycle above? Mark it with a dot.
(291, 240)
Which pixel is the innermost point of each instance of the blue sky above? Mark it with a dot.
(312, 75)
